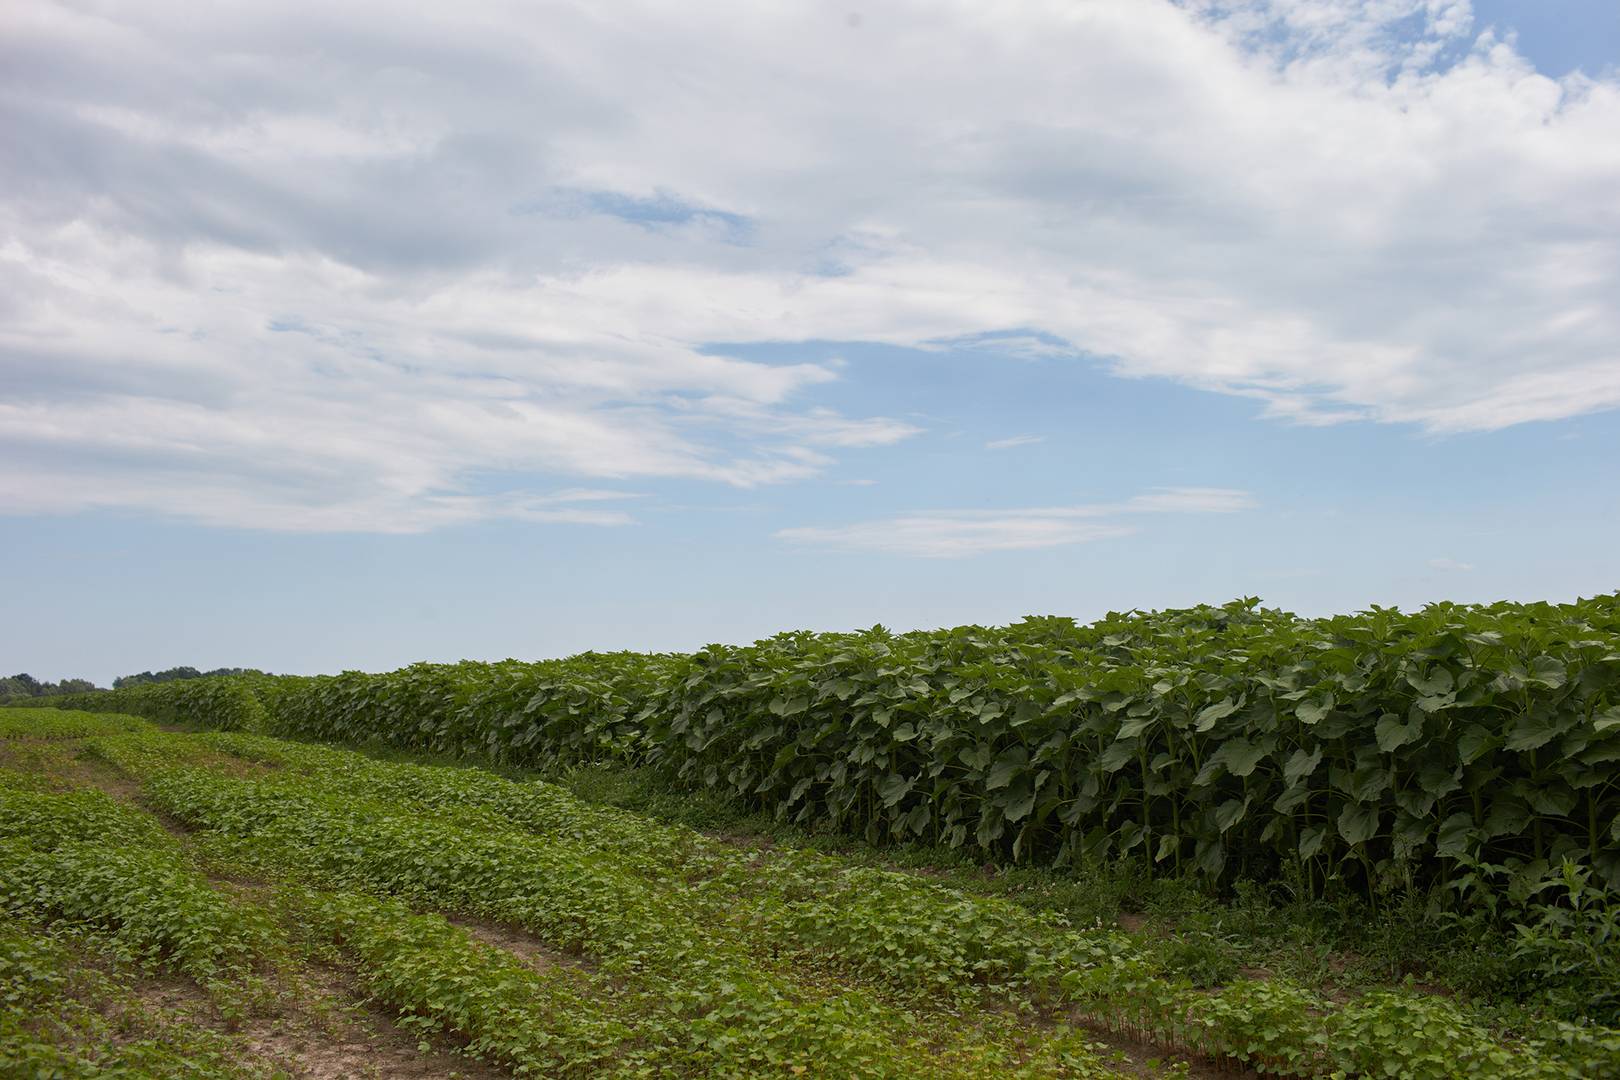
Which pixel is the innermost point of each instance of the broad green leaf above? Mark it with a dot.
(1436, 683)
(1210, 714)
(1134, 726)
(1409, 834)
(1531, 732)
(1240, 756)
(1020, 800)
(1210, 857)
(1508, 816)
(1023, 713)
(1415, 801)
(1456, 837)
(1292, 798)
(1474, 742)
(1301, 764)
(1439, 780)
(1392, 732)
(1368, 783)
(1011, 762)
(1548, 671)
(1554, 800)
(1117, 756)
(1230, 812)
(1358, 823)
(1436, 702)
(977, 757)
(1312, 710)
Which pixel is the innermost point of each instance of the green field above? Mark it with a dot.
(1166, 844)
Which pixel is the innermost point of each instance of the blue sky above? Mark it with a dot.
(524, 333)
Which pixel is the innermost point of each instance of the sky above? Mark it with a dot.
(347, 336)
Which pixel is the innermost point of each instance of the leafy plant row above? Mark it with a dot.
(39, 723)
(66, 1020)
(683, 914)
(1469, 748)
(696, 997)
(81, 859)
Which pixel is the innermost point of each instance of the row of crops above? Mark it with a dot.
(643, 977)
(1467, 751)
(672, 953)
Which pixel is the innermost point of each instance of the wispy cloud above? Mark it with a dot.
(1450, 565)
(274, 234)
(948, 534)
(1015, 440)
(1189, 500)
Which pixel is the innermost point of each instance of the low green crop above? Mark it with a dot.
(692, 931)
(443, 981)
(63, 1020)
(82, 859)
(55, 723)
(688, 977)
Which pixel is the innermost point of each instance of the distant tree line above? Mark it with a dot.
(25, 685)
(171, 674)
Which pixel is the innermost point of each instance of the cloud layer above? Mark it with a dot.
(952, 534)
(338, 266)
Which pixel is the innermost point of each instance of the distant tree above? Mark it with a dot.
(171, 674)
(23, 685)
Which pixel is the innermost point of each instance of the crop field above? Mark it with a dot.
(1204, 842)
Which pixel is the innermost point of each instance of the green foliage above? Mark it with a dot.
(63, 1020)
(24, 686)
(1570, 952)
(171, 674)
(685, 944)
(80, 859)
(153, 910)
(1468, 749)
(1464, 747)
(228, 703)
(691, 932)
(46, 821)
(43, 723)
(1454, 763)
(442, 981)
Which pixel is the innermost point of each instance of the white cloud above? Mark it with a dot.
(1450, 565)
(323, 262)
(947, 534)
(1190, 500)
(1014, 440)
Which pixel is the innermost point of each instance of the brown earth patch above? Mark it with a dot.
(331, 1031)
(1143, 1058)
(355, 1037)
(522, 944)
